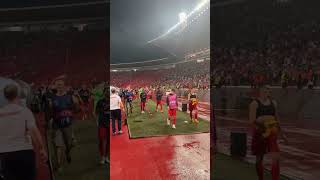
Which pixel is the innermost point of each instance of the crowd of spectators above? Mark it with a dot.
(286, 58)
(40, 56)
(190, 74)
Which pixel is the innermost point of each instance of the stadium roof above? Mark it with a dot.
(134, 23)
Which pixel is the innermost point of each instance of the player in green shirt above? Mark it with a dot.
(97, 94)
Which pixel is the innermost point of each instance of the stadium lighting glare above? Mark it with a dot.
(199, 6)
(134, 70)
(182, 17)
(114, 70)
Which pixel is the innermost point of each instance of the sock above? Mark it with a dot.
(259, 169)
(275, 170)
(174, 120)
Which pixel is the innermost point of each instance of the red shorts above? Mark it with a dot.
(172, 112)
(143, 104)
(91, 106)
(85, 106)
(103, 133)
(192, 107)
(159, 102)
(261, 145)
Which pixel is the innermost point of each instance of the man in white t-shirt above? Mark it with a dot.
(21, 90)
(17, 132)
(115, 107)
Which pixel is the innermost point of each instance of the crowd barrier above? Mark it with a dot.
(203, 94)
(299, 106)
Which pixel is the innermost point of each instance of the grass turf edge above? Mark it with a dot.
(132, 136)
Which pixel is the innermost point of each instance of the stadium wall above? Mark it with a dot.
(296, 106)
(203, 95)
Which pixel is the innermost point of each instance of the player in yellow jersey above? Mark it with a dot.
(193, 106)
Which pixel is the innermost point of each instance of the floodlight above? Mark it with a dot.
(182, 16)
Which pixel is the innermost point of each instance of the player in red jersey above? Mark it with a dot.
(265, 121)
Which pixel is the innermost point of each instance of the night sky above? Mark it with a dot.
(134, 22)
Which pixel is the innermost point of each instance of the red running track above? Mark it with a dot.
(160, 158)
(300, 159)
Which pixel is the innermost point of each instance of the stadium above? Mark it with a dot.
(43, 43)
(164, 47)
(182, 104)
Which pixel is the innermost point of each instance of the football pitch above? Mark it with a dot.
(155, 124)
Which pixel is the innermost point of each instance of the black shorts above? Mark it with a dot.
(19, 165)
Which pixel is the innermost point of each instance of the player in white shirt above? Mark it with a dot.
(116, 106)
